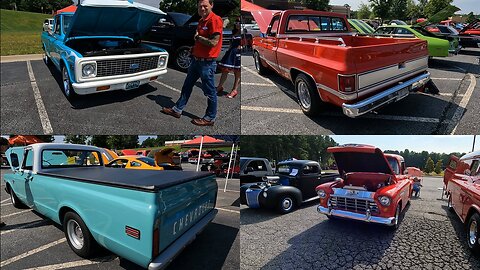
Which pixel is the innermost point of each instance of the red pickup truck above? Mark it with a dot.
(328, 63)
(372, 187)
(462, 180)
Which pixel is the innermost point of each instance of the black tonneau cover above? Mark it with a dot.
(147, 180)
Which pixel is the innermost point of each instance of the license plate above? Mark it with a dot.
(132, 85)
(402, 93)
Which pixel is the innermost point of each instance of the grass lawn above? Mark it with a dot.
(20, 32)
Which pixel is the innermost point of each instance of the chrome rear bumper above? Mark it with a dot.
(391, 95)
(356, 216)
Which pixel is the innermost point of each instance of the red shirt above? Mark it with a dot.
(206, 28)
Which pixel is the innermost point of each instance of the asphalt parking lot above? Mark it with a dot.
(429, 237)
(32, 102)
(269, 105)
(30, 241)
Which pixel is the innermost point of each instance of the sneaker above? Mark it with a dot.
(233, 94)
(202, 122)
(171, 112)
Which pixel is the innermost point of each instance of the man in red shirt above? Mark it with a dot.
(208, 44)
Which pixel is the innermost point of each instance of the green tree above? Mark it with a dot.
(429, 166)
(150, 142)
(317, 4)
(185, 6)
(76, 139)
(381, 8)
(398, 9)
(100, 141)
(413, 10)
(122, 141)
(363, 11)
(434, 6)
(438, 166)
(470, 18)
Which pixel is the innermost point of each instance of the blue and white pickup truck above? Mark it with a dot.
(145, 216)
(98, 47)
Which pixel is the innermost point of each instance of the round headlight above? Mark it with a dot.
(264, 194)
(321, 193)
(162, 61)
(88, 70)
(384, 200)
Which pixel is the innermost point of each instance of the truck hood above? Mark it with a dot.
(360, 158)
(112, 18)
(263, 18)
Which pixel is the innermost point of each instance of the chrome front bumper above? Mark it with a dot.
(166, 256)
(356, 216)
(391, 95)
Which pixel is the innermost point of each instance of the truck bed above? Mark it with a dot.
(145, 180)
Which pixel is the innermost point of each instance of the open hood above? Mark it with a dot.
(263, 18)
(164, 155)
(112, 18)
(360, 158)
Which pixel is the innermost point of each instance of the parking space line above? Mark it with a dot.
(168, 86)
(17, 213)
(450, 95)
(228, 210)
(447, 79)
(258, 75)
(24, 226)
(42, 112)
(67, 265)
(463, 103)
(229, 190)
(4, 200)
(31, 252)
(368, 116)
(258, 84)
(6, 204)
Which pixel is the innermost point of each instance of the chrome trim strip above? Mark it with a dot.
(383, 82)
(356, 216)
(354, 110)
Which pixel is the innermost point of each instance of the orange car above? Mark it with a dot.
(134, 162)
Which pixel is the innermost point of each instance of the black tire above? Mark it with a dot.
(286, 204)
(46, 59)
(307, 95)
(67, 85)
(15, 200)
(89, 246)
(473, 233)
(398, 217)
(182, 59)
(261, 69)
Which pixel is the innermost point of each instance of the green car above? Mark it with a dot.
(437, 46)
(360, 26)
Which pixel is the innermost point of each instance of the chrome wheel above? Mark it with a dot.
(304, 95)
(12, 197)
(45, 58)
(287, 204)
(75, 234)
(449, 205)
(184, 59)
(257, 62)
(472, 233)
(397, 215)
(66, 82)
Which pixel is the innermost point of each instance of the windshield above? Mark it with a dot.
(424, 32)
(394, 164)
(70, 158)
(288, 169)
(149, 161)
(67, 19)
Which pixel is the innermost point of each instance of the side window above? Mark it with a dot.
(28, 162)
(403, 31)
(257, 165)
(338, 24)
(310, 169)
(57, 26)
(384, 30)
(135, 164)
(14, 160)
(452, 165)
(274, 29)
(298, 23)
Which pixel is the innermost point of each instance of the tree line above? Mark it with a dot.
(38, 6)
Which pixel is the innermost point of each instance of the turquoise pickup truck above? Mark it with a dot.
(145, 216)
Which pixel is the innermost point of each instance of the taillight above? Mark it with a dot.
(132, 232)
(346, 83)
(155, 243)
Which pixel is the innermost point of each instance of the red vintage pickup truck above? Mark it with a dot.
(462, 180)
(372, 187)
(327, 63)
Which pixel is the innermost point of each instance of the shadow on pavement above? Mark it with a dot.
(167, 102)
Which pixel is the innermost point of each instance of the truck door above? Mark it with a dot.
(55, 44)
(26, 175)
(450, 170)
(309, 180)
(270, 44)
(468, 189)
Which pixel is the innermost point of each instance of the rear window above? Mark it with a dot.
(309, 23)
(149, 161)
(70, 158)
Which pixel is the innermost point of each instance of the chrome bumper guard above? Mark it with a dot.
(166, 256)
(356, 216)
(391, 95)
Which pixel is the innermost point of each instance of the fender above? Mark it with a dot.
(65, 62)
(274, 193)
(474, 208)
(243, 189)
(80, 213)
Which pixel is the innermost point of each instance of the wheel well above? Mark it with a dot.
(471, 211)
(63, 211)
(295, 72)
(8, 188)
(296, 200)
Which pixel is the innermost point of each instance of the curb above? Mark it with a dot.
(20, 58)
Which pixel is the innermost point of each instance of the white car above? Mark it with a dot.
(48, 24)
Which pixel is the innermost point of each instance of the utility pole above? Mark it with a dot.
(473, 146)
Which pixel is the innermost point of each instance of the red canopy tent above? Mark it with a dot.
(71, 8)
(24, 140)
(207, 142)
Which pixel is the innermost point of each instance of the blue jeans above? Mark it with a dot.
(206, 71)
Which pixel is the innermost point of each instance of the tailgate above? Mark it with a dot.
(183, 205)
(381, 65)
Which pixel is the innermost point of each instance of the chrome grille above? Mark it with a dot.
(353, 204)
(126, 66)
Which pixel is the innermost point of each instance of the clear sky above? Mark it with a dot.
(466, 6)
(431, 143)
